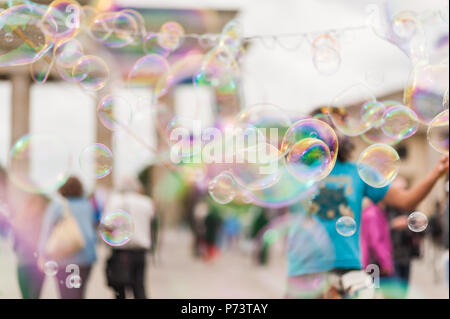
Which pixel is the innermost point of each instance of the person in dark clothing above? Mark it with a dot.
(405, 243)
(213, 224)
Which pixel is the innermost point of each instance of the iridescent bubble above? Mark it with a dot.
(96, 157)
(140, 21)
(219, 68)
(67, 54)
(438, 133)
(373, 113)
(39, 163)
(405, 24)
(21, 38)
(170, 35)
(40, 69)
(326, 56)
(62, 20)
(378, 165)
(425, 90)
(51, 268)
(116, 228)
(222, 188)
(256, 166)
(400, 122)
(347, 107)
(91, 73)
(311, 148)
(346, 226)
(114, 112)
(114, 29)
(376, 135)
(310, 158)
(417, 222)
(151, 45)
(150, 72)
(231, 37)
(270, 120)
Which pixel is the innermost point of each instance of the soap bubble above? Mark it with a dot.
(39, 163)
(170, 35)
(114, 29)
(114, 112)
(91, 73)
(151, 45)
(116, 228)
(326, 56)
(346, 109)
(231, 37)
(150, 72)
(438, 132)
(417, 222)
(222, 188)
(51, 268)
(256, 166)
(346, 226)
(270, 120)
(311, 148)
(372, 113)
(67, 54)
(21, 38)
(62, 20)
(378, 165)
(40, 69)
(425, 90)
(219, 68)
(405, 24)
(98, 157)
(400, 122)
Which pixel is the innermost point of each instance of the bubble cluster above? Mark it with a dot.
(417, 222)
(97, 157)
(438, 133)
(346, 226)
(378, 165)
(116, 228)
(372, 113)
(222, 188)
(62, 20)
(114, 29)
(311, 148)
(28, 163)
(22, 40)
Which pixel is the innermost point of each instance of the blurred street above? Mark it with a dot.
(175, 274)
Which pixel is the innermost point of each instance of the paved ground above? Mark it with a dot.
(175, 274)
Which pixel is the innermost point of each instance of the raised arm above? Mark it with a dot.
(410, 198)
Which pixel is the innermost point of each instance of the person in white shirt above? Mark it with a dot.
(126, 266)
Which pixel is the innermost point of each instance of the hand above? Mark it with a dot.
(442, 166)
(400, 222)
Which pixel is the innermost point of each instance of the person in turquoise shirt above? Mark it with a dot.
(80, 263)
(323, 263)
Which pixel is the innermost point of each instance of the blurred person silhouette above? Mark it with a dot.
(127, 264)
(376, 244)
(70, 215)
(341, 194)
(22, 215)
(406, 243)
(213, 226)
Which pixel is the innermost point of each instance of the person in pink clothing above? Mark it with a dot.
(376, 244)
